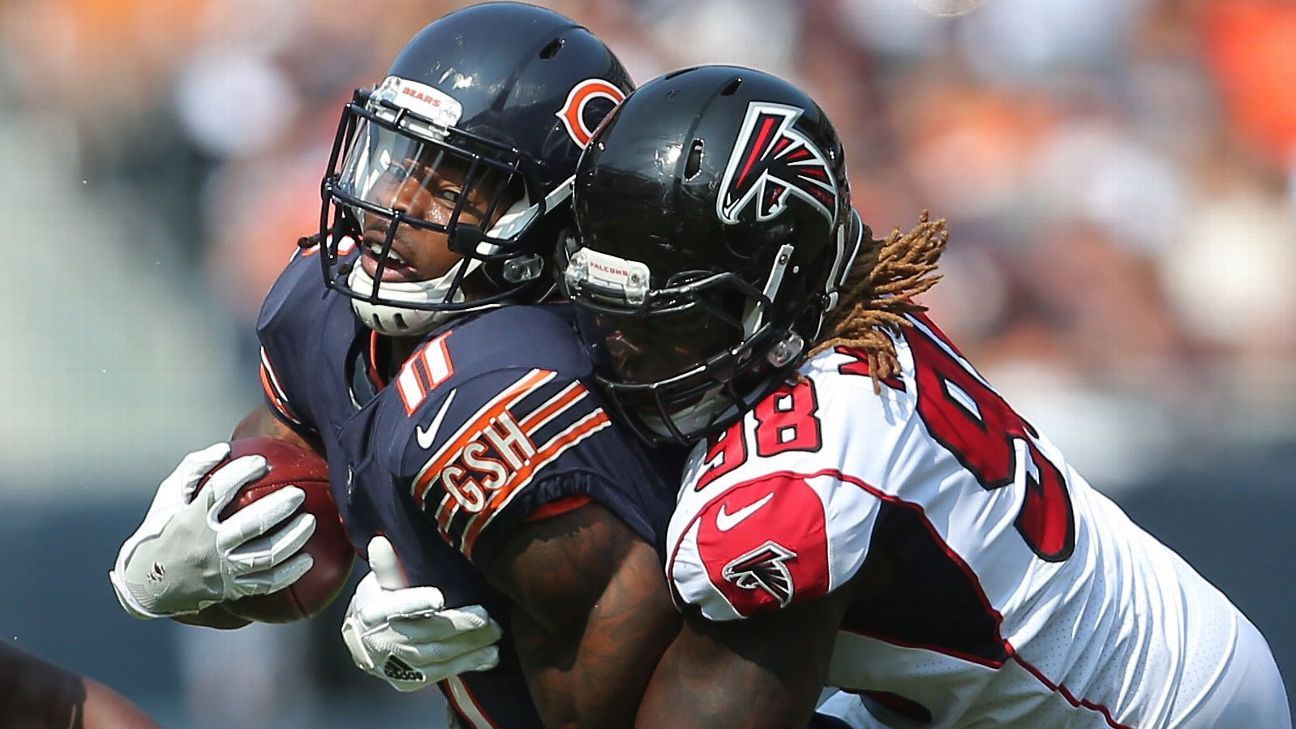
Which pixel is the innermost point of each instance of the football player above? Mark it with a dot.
(36, 694)
(469, 455)
(861, 507)
(446, 188)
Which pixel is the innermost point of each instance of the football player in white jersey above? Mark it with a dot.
(862, 509)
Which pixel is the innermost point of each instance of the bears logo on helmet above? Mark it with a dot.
(576, 114)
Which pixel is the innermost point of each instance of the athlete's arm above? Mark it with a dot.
(592, 614)
(764, 672)
(262, 422)
(36, 694)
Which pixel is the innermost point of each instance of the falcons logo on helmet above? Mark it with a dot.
(762, 569)
(772, 160)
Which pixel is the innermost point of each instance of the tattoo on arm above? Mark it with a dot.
(592, 614)
(764, 672)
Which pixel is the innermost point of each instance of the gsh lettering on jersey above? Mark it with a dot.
(488, 461)
(485, 463)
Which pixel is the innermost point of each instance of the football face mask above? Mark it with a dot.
(436, 211)
(670, 357)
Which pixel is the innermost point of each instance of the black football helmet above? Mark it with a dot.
(713, 228)
(503, 96)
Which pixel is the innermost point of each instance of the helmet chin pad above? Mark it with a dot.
(689, 419)
(397, 321)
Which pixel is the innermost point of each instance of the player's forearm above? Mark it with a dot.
(36, 694)
(764, 672)
(213, 616)
(629, 626)
(687, 692)
(106, 709)
(593, 615)
(262, 422)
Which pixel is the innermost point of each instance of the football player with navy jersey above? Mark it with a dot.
(447, 420)
(861, 508)
(471, 458)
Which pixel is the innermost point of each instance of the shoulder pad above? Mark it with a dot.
(476, 446)
(291, 311)
(764, 544)
(497, 417)
(295, 295)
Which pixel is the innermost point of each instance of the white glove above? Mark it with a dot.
(406, 635)
(183, 558)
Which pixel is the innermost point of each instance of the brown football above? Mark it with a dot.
(291, 465)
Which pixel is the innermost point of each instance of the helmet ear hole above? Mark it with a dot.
(694, 163)
(551, 50)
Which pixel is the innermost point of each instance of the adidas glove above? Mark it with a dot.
(406, 635)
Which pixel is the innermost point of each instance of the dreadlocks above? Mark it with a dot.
(879, 291)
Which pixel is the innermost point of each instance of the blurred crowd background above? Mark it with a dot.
(1119, 178)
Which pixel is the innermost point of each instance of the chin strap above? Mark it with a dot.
(690, 419)
(398, 321)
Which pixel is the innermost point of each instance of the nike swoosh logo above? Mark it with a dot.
(725, 522)
(426, 437)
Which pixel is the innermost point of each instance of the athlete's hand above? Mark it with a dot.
(406, 635)
(184, 558)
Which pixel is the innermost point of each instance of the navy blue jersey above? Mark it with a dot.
(495, 418)
(492, 418)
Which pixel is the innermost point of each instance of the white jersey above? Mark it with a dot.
(1016, 596)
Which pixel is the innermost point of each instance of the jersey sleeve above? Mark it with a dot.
(483, 455)
(766, 534)
(284, 324)
(276, 397)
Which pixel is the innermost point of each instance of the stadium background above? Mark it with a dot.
(1119, 176)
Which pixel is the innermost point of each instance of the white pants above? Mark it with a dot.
(1250, 693)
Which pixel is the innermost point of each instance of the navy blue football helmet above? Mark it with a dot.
(500, 98)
